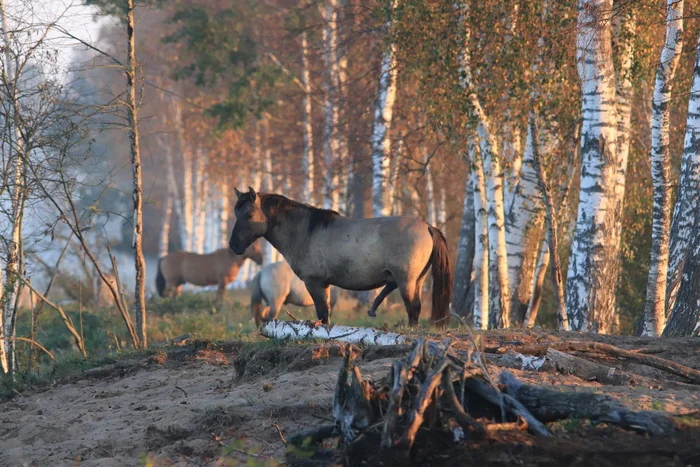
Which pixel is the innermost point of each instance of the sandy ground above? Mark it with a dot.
(221, 405)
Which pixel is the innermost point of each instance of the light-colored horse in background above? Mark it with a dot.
(218, 268)
(277, 285)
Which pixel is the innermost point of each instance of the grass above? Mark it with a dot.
(107, 341)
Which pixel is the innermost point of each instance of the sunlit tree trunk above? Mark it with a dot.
(430, 192)
(15, 144)
(687, 198)
(331, 146)
(186, 220)
(481, 244)
(307, 161)
(132, 105)
(381, 144)
(590, 293)
(654, 309)
(224, 213)
(165, 229)
(465, 253)
(533, 307)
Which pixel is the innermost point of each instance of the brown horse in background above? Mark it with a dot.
(324, 248)
(220, 267)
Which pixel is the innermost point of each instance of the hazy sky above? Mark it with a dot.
(71, 15)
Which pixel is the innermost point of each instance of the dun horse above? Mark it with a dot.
(220, 267)
(277, 285)
(324, 248)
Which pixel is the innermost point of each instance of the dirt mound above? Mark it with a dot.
(207, 403)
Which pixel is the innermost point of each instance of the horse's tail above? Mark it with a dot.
(442, 278)
(256, 298)
(160, 280)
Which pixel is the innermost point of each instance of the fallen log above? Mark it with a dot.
(310, 330)
(549, 405)
(690, 374)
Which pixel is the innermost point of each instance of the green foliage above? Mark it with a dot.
(221, 47)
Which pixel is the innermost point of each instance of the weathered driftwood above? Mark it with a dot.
(508, 403)
(589, 371)
(352, 410)
(549, 405)
(310, 330)
(690, 374)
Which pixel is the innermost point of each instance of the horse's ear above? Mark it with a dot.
(238, 193)
(253, 195)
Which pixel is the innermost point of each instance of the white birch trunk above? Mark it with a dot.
(654, 309)
(687, 197)
(16, 148)
(442, 210)
(381, 144)
(201, 184)
(524, 211)
(481, 244)
(307, 161)
(165, 229)
(590, 294)
(393, 185)
(187, 209)
(465, 253)
(302, 330)
(429, 192)
(224, 213)
(177, 202)
(331, 147)
(493, 174)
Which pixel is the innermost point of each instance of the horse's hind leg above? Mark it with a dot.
(410, 293)
(321, 295)
(275, 308)
(388, 288)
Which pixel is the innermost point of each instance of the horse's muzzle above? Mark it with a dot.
(236, 248)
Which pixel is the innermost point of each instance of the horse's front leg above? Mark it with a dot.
(321, 295)
(390, 287)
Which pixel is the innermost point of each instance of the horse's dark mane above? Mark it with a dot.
(277, 204)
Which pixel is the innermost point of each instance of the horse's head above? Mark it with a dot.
(251, 221)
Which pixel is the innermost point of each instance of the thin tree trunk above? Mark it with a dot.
(590, 294)
(224, 213)
(687, 197)
(654, 309)
(165, 229)
(429, 192)
(381, 144)
(12, 260)
(307, 161)
(394, 200)
(140, 262)
(624, 25)
(552, 230)
(481, 242)
(186, 222)
(331, 147)
(465, 254)
(536, 293)
(199, 205)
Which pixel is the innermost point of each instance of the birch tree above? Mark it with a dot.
(331, 144)
(590, 294)
(481, 243)
(654, 310)
(465, 253)
(687, 196)
(307, 161)
(494, 176)
(165, 230)
(381, 144)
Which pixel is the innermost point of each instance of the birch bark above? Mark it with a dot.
(654, 309)
(381, 144)
(590, 294)
(307, 161)
(465, 253)
(165, 229)
(330, 120)
(481, 243)
(687, 197)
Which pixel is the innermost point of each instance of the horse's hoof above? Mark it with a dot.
(372, 313)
